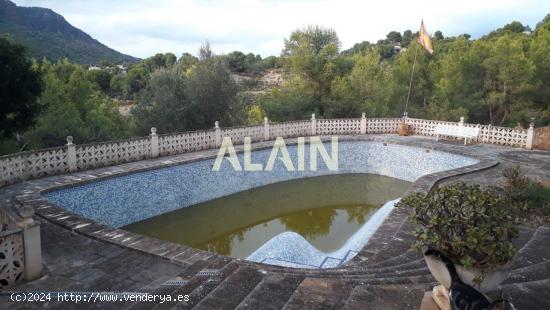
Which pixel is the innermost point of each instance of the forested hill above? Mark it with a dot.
(47, 34)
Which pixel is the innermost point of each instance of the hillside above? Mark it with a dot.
(47, 34)
(259, 83)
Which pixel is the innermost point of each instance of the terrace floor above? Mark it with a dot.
(386, 274)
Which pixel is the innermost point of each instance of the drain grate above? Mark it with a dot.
(174, 283)
(209, 273)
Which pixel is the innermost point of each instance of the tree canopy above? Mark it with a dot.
(20, 86)
(502, 78)
(183, 97)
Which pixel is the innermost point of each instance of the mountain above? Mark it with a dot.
(47, 34)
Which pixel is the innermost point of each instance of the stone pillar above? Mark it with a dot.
(154, 143)
(461, 123)
(32, 248)
(363, 124)
(71, 154)
(530, 135)
(313, 125)
(218, 134)
(266, 129)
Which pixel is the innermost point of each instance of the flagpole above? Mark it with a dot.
(411, 80)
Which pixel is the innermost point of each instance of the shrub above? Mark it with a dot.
(525, 193)
(472, 226)
(516, 184)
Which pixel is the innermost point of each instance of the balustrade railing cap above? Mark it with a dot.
(69, 140)
(153, 131)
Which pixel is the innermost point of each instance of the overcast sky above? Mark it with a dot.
(142, 28)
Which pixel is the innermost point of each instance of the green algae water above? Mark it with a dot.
(325, 210)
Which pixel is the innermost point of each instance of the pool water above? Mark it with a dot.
(325, 210)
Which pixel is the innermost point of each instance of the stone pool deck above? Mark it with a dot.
(80, 255)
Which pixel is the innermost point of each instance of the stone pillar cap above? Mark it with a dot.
(26, 214)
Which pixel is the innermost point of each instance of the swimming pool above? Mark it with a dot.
(326, 211)
(128, 199)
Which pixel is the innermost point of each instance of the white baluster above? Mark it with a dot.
(154, 143)
(363, 126)
(530, 136)
(71, 154)
(217, 134)
(266, 128)
(313, 125)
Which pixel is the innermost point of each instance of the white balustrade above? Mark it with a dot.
(344, 126)
(506, 136)
(382, 125)
(20, 246)
(184, 142)
(110, 153)
(290, 129)
(33, 164)
(12, 264)
(237, 134)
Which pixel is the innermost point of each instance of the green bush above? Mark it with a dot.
(472, 226)
(516, 184)
(539, 200)
(525, 193)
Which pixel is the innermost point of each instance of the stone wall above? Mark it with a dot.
(542, 138)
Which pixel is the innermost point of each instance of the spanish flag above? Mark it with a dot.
(424, 39)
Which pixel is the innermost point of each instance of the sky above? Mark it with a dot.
(143, 28)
